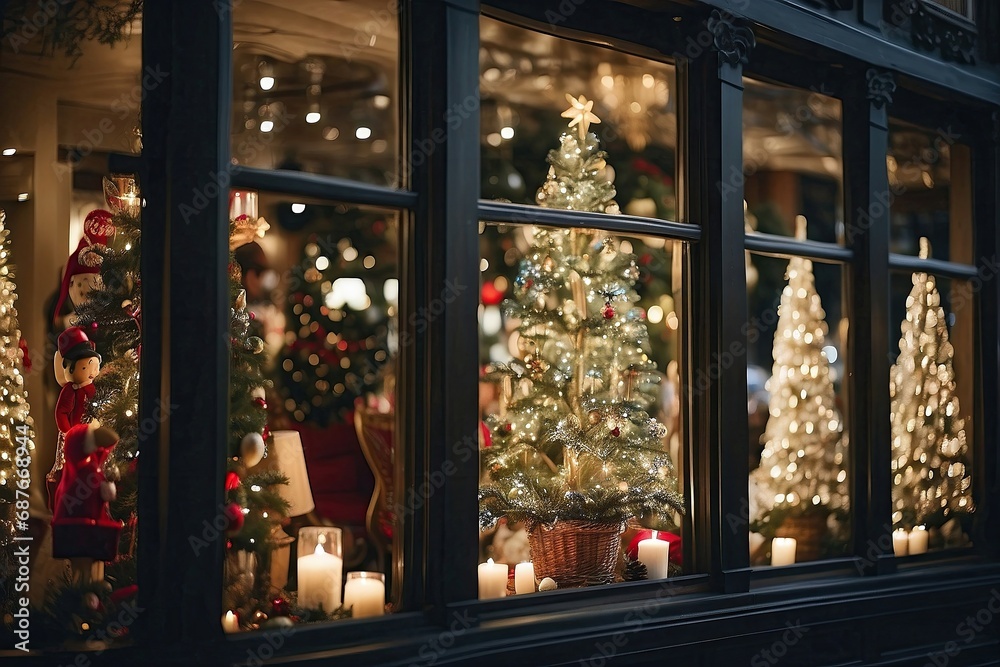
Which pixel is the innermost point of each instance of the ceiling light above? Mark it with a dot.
(266, 71)
(312, 117)
(507, 132)
(298, 208)
(266, 125)
(331, 133)
(381, 101)
(9, 151)
(363, 132)
(22, 197)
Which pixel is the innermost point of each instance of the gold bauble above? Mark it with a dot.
(594, 416)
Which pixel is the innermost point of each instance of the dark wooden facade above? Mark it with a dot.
(899, 57)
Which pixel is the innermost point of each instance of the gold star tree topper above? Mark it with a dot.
(581, 113)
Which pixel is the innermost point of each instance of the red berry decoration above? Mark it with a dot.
(232, 481)
(280, 607)
(616, 431)
(234, 514)
(608, 311)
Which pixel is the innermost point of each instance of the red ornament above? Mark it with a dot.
(616, 431)
(266, 433)
(232, 481)
(234, 513)
(490, 295)
(124, 593)
(676, 554)
(609, 311)
(260, 403)
(280, 607)
(508, 427)
(485, 438)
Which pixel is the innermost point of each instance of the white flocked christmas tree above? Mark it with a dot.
(803, 468)
(932, 478)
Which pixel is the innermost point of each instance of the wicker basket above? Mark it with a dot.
(808, 532)
(575, 553)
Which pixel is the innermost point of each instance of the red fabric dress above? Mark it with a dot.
(70, 407)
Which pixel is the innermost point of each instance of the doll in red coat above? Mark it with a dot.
(81, 364)
(82, 527)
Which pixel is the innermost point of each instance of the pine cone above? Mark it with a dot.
(635, 570)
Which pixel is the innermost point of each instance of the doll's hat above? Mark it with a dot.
(74, 344)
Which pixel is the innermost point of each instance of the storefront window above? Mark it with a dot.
(797, 338)
(70, 321)
(315, 289)
(582, 433)
(933, 419)
(524, 79)
(315, 88)
(792, 161)
(930, 179)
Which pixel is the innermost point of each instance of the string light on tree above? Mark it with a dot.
(932, 476)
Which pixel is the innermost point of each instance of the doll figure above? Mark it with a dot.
(82, 527)
(81, 364)
(83, 268)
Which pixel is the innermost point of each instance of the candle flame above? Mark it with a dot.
(490, 561)
(654, 534)
(319, 549)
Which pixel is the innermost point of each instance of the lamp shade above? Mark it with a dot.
(291, 461)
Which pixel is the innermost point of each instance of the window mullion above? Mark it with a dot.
(868, 196)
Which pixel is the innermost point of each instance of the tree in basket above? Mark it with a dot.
(575, 452)
(802, 477)
(932, 478)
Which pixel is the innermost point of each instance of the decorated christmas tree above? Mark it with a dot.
(803, 469)
(342, 308)
(932, 478)
(17, 437)
(574, 440)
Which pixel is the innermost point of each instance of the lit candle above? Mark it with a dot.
(364, 594)
(230, 623)
(655, 555)
(319, 580)
(918, 541)
(900, 542)
(524, 578)
(782, 551)
(492, 580)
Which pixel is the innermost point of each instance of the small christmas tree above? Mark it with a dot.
(932, 478)
(803, 466)
(576, 441)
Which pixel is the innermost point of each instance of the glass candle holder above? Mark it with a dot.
(320, 567)
(243, 202)
(364, 594)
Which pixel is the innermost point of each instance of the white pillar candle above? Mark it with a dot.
(364, 594)
(918, 541)
(782, 551)
(319, 580)
(655, 555)
(524, 578)
(492, 580)
(900, 542)
(230, 623)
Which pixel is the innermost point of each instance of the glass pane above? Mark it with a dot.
(931, 181)
(933, 394)
(582, 421)
(315, 88)
(792, 161)
(70, 321)
(314, 331)
(524, 79)
(797, 338)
